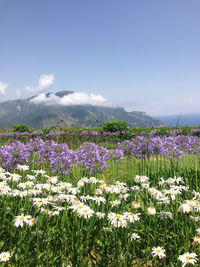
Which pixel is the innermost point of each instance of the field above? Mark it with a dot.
(90, 198)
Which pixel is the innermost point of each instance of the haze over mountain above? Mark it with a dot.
(78, 109)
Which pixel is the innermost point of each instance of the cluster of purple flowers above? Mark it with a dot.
(57, 133)
(195, 131)
(154, 132)
(16, 134)
(92, 157)
(174, 132)
(58, 157)
(16, 153)
(169, 147)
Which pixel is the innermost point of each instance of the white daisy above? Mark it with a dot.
(132, 217)
(117, 220)
(115, 203)
(37, 172)
(32, 221)
(53, 179)
(188, 258)
(185, 208)
(53, 212)
(4, 189)
(100, 215)
(99, 200)
(158, 251)
(85, 212)
(22, 167)
(134, 236)
(20, 219)
(4, 256)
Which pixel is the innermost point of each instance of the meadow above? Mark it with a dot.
(90, 198)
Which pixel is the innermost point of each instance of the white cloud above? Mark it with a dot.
(3, 87)
(44, 82)
(71, 99)
(83, 99)
(18, 93)
(43, 99)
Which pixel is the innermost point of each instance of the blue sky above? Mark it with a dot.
(138, 54)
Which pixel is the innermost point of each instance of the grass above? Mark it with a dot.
(67, 239)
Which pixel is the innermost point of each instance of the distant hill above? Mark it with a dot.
(181, 120)
(23, 111)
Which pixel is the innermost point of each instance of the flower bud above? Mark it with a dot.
(135, 205)
(197, 239)
(151, 211)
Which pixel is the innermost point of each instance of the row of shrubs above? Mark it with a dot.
(121, 127)
(109, 126)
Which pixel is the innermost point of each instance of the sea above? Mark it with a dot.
(180, 120)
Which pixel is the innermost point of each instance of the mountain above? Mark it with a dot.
(180, 120)
(24, 111)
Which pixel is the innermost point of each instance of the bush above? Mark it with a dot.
(21, 128)
(114, 126)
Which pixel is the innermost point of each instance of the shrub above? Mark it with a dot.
(114, 126)
(21, 128)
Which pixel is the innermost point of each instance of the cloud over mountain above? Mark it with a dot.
(77, 98)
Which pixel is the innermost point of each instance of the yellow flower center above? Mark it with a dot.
(158, 250)
(117, 216)
(85, 211)
(21, 218)
(4, 256)
(80, 207)
(187, 257)
(2, 187)
(131, 214)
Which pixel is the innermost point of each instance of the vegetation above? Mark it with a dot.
(112, 202)
(114, 126)
(21, 128)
